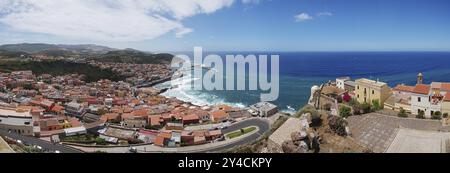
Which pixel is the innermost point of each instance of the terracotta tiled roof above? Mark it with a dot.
(445, 86)
(219, 114)
(159, 141)
(422, 89)
(141, 112)
(166, 135)
(447, 97)
(57, 108)
(404, 88)
(190, 117)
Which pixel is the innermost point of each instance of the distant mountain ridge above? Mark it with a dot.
(33, 48)
(89, 51)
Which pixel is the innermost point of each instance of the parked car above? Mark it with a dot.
(133, 149)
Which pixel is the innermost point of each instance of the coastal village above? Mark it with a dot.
(343, 115)
(67, 110)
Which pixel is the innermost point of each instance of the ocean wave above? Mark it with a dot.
(199, 98)
(289, 109)
(183, 91)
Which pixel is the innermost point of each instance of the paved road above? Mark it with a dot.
(39, 142)
(262, 124)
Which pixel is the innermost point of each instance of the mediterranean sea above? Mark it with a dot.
(301, 70)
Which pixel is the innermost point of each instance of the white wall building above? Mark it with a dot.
(340, 82)
(18, 121)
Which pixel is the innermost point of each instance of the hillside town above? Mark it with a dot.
(67, 110)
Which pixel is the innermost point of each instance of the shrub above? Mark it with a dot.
(347, 97)
(421, 115)
(344, 111)
(134, 141)
(445, 115)
(339, 99)
(366, 108)
(437, 115)
(337, 125)
(353, 102)
(307, 109)
(376, 105)
(28, 86)
(402, 113)
(316, 120)
(357, 109)
(100, 141)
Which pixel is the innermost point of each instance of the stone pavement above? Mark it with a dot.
(376, 131)
(419, 141)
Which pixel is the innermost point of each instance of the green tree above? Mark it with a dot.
(100, 141)
(376, 105)
(344, 111)
(366, 107)
(353, 102)
(421, 115)
(9, 86)
(445, 115)
(28, 86)
(437, 115)
(402, 113)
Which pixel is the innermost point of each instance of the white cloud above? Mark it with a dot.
(303, 17)
(325, 13)
(183, 31)
(105, 20)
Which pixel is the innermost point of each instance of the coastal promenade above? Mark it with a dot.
(261, 124)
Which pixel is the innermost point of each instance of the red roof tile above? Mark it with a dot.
(404, 88)
(421, 89)
(159, 141)
(191, 117)
(219, 115)
(447, 97)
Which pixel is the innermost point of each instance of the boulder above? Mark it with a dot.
(289, 147)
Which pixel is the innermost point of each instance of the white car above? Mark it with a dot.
(57, 151)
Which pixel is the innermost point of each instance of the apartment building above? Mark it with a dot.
(368, 90)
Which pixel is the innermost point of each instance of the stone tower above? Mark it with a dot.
(420, 78)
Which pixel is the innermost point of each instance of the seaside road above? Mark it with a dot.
(261, 124)
(39, 142)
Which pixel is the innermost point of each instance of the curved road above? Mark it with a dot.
(262, 124)
(39, 142)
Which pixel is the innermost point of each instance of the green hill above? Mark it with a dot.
(54, 68)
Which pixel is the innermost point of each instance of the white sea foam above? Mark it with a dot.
(183, 91)
(290, 110)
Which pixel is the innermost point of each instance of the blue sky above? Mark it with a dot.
(235, 25)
